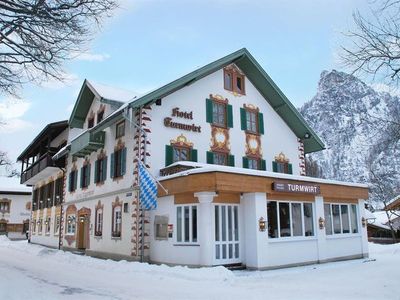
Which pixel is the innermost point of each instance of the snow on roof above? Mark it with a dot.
(380, 219)
(12, 184)
(206, 168)
(112, 93)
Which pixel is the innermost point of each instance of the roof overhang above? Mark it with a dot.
(260, 79)
(51, 131)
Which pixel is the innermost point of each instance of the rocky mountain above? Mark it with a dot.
(360, 127)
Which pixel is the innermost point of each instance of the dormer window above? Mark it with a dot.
(100, 116)
(234, 79)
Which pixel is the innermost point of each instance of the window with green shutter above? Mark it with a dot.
(100, 170)
(245, 162)
(179, 153)
(219, 113)
(251, 120)
(118, 163)
(85, 176)
(282, 167)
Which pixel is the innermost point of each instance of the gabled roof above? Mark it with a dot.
(51, 131)
(88, 92)
(259, 78)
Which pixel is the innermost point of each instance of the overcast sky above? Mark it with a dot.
(149, 43)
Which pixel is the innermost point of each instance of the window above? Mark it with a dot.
(254, 163)
(5, 206)
(50, 194)
(220, 158)
(48, 223)
(234, 80)
(41, 197)
(34, 226)
(100, 170)
(3, 227)
(251, 121)
(180, 154)
(91, 122)
(59, 191)
(71, 224)
(219, 113)
(85, 176)
(57, 225)
(100, 116)
(73, 179)
(98, 226)
(186, 224)
(340, 218)
(40, 226)
(282, 167)
(120, 129)
(290, 219)
(35, 199)
(118, 163)
(161, 227)
(116, 221)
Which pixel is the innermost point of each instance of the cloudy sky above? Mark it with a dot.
(148, 43)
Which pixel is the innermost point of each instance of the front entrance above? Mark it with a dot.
(83, 231)
(226, 221)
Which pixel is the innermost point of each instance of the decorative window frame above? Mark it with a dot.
(47, 227)
(98, 168)
(91, 120)
(235, 73)
(118, 173)
(5, 205)
(115, 233)
(285, 162)
(70, 211)
(85, 181)
(119, 134)
(100, 112)
(74, 168)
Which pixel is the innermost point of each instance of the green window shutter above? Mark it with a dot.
(75, 180)
(260, 123)
(229, 116)
(81, 177)
(245, 162)
(290, 169)
(69, 183)
(243, 120)
(231, 160)
(193, 155)
(96, 169)
(274, 166)
(112, 165)
(103, 176)
(263, 166)
(210, 157)
(168, 155)
(89, 166)
(209, 111)
(123, 161)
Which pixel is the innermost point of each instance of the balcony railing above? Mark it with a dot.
(44, 161)
(87, 143)
(176, 168)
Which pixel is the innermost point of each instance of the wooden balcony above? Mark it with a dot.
(86, 143)
(40, 169)
(175, 168)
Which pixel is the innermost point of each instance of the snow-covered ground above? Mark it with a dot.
(35, 272)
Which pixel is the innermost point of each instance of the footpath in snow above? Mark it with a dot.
(35, 272)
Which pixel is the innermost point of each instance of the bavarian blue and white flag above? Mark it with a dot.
(148, 189)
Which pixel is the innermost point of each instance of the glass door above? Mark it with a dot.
(226, 224)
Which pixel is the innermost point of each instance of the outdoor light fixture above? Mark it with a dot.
(363, 222)
(47, 222)
(261, 224)
(81, 219)
(321, 223)
(307, 136)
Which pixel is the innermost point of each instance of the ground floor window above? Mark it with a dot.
(47, 223)
(34, 226)
(99, 222)
(57, 225)
(290, 219)
(117, 221)
(340, 218)
(186, 224)
(3, 227)
(40, 226)
(71, 224)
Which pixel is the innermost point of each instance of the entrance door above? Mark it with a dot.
(226, 222)
(83, 227)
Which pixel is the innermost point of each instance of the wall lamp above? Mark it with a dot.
(321, 223)
(363, 222)
(262, 224)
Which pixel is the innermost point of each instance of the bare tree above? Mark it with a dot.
(37, 36)
(7, 166)
(383, 189)
(375, 43)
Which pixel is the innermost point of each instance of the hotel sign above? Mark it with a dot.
(296, 188)
(168, 121)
